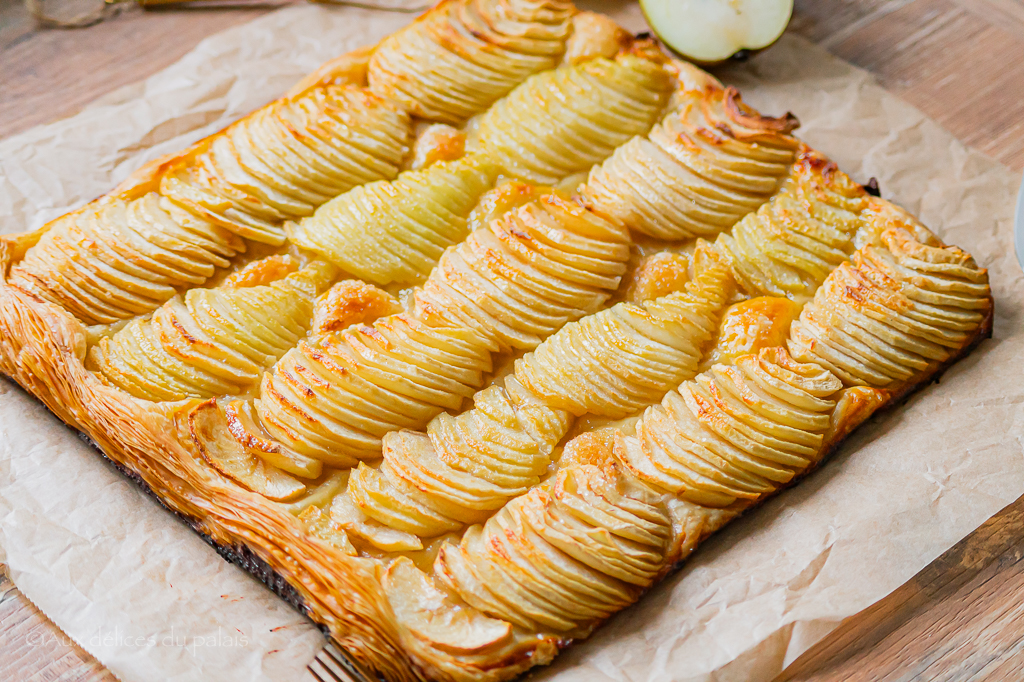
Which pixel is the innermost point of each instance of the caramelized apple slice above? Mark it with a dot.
(319, 493)
(657, 275)
(350, 518)
(212, 436)
(594, 35)
(751, 325)
(263, 271)
(319, 524)
(431, 615)
(246, 431)
(350, 302)
(437, 142)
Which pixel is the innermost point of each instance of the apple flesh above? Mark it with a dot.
(710, 32)
(432, 616)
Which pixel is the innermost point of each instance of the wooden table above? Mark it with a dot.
(960, 61)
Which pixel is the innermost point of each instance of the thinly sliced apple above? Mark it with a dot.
(319, 524)
(245, 429)
(712, 31)
(321, 492)
(210, 432)
(348, 517)
(433, 617)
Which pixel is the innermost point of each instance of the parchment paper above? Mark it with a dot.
(141, 592)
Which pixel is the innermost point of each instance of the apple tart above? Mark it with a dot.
(475, 334)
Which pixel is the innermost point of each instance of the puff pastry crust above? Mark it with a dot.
(475, 334)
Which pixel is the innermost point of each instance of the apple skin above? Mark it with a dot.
(740, 55)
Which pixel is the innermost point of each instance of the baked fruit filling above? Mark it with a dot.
(395, 231)
(461, 57)
(211, 341)
(474, 335)
(707, 163)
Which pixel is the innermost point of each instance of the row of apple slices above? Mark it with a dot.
(331, 134)
(395, 232)
(901, 305)
(114, 260)
(468, 466)
(461, 57)
(736, 432)
(547, 563)
(701, 168)
(212, 341)
(288, 158)
(611, 363)
(563, 121)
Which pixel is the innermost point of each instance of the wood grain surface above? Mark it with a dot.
(960, 61)
(32, 648)
(958, 620)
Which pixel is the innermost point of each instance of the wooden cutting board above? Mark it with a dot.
(960, 61)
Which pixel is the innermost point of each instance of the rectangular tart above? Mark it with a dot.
(475, 334)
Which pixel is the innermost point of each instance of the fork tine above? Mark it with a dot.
(322, 671)
(332, 664)
(325, 669)
(312, 671)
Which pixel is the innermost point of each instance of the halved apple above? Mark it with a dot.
(711, 31)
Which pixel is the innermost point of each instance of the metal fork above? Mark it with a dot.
(332, 664)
